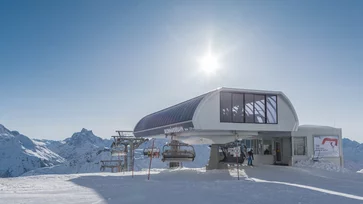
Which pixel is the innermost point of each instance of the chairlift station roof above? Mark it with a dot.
(224, 110)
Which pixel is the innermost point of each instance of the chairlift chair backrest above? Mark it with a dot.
(177, 151)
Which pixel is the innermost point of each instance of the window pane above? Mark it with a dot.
(238, 108)
(257, 146)
(249, 108)
(248, 144)
(267, 147)
(299, 145)
(226, 106)
(260, 109)
(271, 109)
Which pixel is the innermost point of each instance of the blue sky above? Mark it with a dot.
(103, 65)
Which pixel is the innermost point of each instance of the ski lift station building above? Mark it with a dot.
(265, 121)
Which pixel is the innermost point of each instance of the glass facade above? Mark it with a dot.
(267, 147)
(238, 108)
(226, 107)
(260, 110)
(248, 108)
(271, 106)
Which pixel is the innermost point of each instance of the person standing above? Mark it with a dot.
(250, 157)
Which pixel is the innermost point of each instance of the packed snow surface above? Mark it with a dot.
(325, 165)
(262, 184)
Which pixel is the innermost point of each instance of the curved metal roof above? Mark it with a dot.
(179, 115)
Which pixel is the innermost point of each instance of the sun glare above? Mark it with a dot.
(209, 63)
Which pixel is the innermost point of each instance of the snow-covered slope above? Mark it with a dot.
(19, 154)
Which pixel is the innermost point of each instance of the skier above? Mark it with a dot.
(250, 157)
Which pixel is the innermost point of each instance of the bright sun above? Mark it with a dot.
(209, 63)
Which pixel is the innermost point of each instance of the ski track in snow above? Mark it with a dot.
(261, 184)
(310, 188)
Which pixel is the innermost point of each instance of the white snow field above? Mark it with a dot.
(262, 184)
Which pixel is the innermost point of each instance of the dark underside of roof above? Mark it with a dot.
(179, 115)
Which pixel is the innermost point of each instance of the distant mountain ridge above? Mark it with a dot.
(353, 154)
(82, 152)
(19, 154)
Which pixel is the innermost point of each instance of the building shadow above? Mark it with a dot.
(163, 187)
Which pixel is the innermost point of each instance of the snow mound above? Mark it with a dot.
(325, 165)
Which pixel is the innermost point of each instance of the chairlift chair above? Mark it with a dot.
(176, 151)
(154, 151)
(118, 148)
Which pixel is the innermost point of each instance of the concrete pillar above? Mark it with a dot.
(214, 159)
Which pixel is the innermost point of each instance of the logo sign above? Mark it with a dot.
(326, 146)
(173, 130)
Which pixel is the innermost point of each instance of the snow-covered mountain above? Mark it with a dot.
(353, 155)
(82, 152)
(78, 145)
(19, 154)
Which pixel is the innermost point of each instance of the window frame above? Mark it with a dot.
(277, 109)
(264, 106)
(305, 146)
(220, 108)
(269, 143)
(244, 108)
(253, 108)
